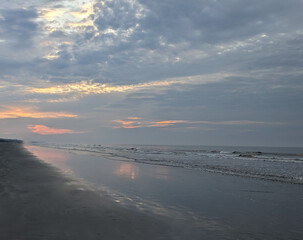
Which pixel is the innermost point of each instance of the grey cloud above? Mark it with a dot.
(236, 98)
(219, 21)
(128, 58)
(194, 23)
(115, 15)
(197, 22)
(283, 53)
(18, 27)
(57, 34)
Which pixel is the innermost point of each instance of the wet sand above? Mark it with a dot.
(39, 202)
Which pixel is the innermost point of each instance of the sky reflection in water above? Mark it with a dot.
(52, 156)
(127, 170)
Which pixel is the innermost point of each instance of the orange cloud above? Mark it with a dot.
(44, 130)
(90, 87)
(28, 112)
(133, 118)
(167, 123)
(140, 124)
(128, 124)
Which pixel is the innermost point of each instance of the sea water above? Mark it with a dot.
(268, 163)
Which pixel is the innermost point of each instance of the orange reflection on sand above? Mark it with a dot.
(127, 170)
(52, 156)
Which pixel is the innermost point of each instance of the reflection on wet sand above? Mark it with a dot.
(52, 156)
(127, 170)
(162, 173)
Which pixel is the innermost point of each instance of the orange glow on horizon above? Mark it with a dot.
(44, 130)
(29, 112)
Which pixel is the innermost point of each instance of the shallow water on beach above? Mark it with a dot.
(277, 164)
(230, 207)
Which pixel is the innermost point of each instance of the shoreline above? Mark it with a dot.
(39, 202)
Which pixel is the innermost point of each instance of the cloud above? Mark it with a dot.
(44, 130)
(86, 87)
(187, 123)
(152, 40)
(134, 118)
(217, 21)
(29, 112)
(128, 124)
(18, 27)
(90, 87)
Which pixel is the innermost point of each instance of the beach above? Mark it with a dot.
(49, 193)
(38, 202)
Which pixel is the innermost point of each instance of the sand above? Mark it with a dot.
(37, 201)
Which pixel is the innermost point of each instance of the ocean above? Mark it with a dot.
(268, 163)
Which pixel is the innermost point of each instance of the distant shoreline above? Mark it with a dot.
(11, 140)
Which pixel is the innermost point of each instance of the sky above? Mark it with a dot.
(198, 72)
